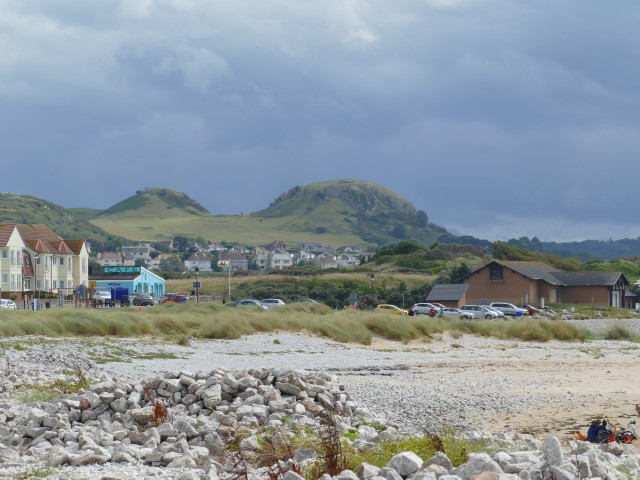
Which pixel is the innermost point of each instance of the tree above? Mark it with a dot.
(457, 273)
(172, 264)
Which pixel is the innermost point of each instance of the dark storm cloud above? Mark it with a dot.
(498, 118)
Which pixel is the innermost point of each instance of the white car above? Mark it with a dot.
(457, 313)
(273, 302)
(4, 303)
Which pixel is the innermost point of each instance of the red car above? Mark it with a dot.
(174, 297)
(531, 310)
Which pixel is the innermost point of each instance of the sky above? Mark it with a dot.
(499, 118)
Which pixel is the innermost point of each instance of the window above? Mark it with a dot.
(55, 284)
(53, 260)
(13, 257)
(61, 260)
(13, 282)
(38, 285)
(69, 264)
(61, 283)
(84, 265)
(19, 258)
(27, 283)
(19, 281)
(37, 259)
(495, 272)
(5, 278)
(4, 253)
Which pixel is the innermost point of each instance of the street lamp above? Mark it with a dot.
(194, 272)
(372, 277)
(294, 275)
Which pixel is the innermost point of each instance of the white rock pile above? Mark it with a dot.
(116, 430)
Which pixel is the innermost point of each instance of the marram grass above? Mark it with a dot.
(210, 320)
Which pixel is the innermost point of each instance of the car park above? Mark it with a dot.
(509, 309)
(422, 309)
(388, 308)
(481, 311)
(6, 303)
(457, 313)
(273, 302)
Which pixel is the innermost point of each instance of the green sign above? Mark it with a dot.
(122, 270)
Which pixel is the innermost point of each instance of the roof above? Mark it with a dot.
(587, 279)
(448, 291)
(75, 245)
(43, 240)
(532, 270)
(199, 257)
(6, 230)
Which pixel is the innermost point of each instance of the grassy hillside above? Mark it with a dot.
(27, 209)
(344, 212)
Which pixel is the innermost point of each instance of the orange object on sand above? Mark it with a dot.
(580, 436)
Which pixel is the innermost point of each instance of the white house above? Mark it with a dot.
(201, 261)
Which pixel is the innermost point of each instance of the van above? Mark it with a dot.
(101, 297)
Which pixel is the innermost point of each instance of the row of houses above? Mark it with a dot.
(267, 257)
(535, 283)
(33, 259)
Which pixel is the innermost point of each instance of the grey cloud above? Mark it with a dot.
(490, 116)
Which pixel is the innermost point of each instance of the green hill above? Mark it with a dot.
(157, 201)
(344, 212)
(66, 223)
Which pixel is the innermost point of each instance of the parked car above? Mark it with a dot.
(174, 297)
(480, 311)
(457, 313)
(5, 303)
(248, 302)
(125, 300)
(101, 297)
(500, 314)
(273, 302)
(143, 300)
(422, 309)
(388, 308)
(509, 309)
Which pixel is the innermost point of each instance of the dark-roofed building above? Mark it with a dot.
(449, 294)
(522, 282)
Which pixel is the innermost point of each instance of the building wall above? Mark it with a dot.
(599, 295)
(11, 266)
(514, 288)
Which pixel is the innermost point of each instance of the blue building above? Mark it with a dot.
(126, 280)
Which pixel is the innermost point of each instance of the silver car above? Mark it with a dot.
(481, 311)
(509, 309)
(273, 302)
